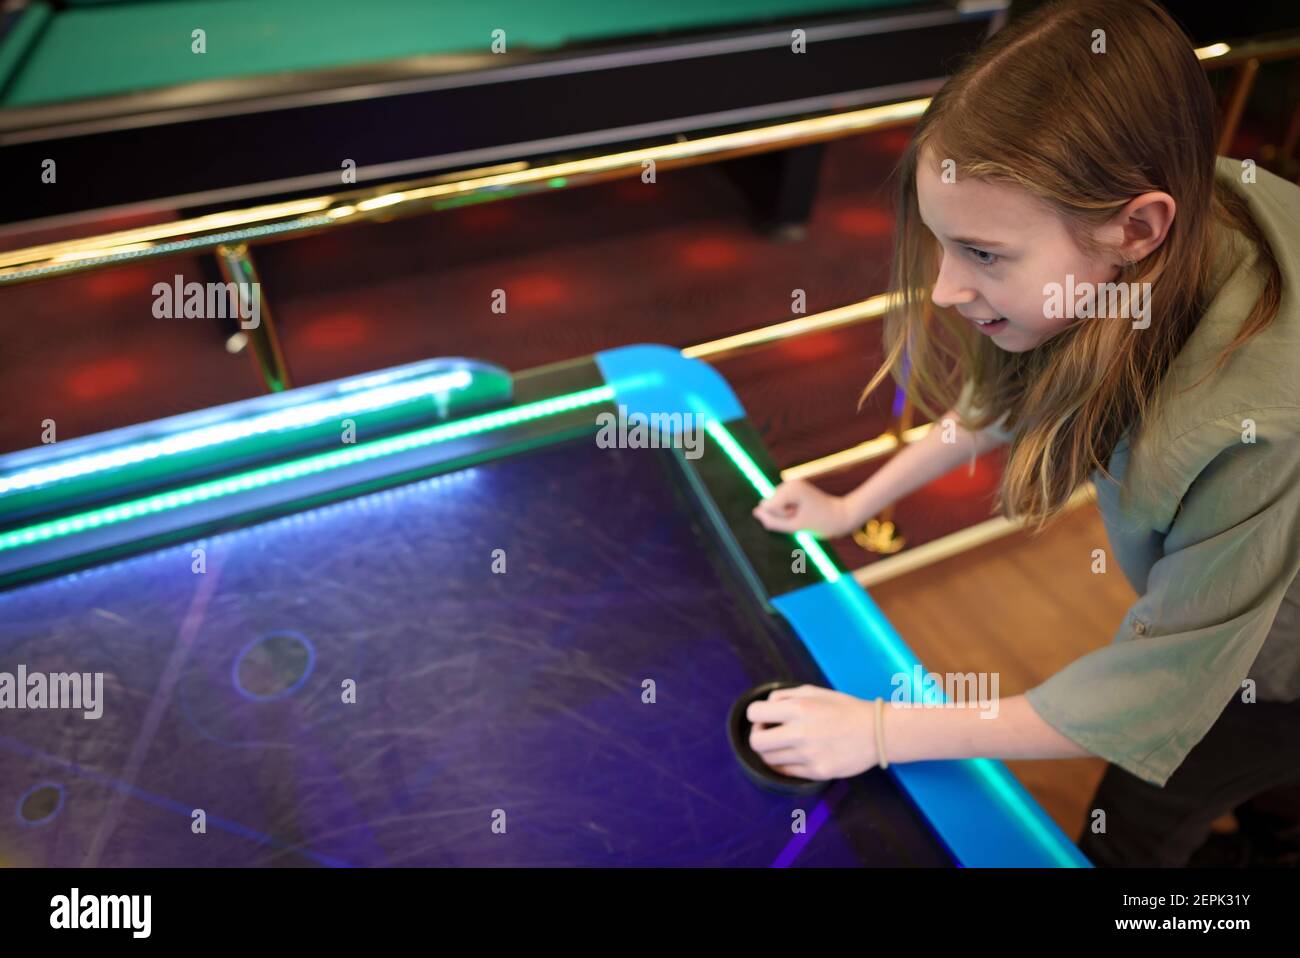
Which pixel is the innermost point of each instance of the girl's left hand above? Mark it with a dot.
(814, 733)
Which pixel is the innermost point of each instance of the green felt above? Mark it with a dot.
(20, 42)
(97, 49)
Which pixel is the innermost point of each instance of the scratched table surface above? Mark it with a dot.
(373, 683)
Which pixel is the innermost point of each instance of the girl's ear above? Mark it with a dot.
(1142, 225)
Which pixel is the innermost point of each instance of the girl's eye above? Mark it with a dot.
(980, 256)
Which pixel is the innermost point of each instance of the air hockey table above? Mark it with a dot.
(427, 617)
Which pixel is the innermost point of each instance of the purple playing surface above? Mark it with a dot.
(498, 716)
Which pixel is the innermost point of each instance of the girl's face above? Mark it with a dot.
(1001, 246)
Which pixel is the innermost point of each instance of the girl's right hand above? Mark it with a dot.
(798, 505)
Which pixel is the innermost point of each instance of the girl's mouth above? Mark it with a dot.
(991, 326)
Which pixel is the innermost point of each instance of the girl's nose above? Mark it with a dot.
(949, 288)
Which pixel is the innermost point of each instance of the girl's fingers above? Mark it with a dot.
(786, 493)
(783, 756)
(784, 500)
(771, 711)
(775, 510)
(779, 523)
(767, 739)
(787, 519)
(795, 771)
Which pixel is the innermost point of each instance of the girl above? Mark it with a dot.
(1076, 149)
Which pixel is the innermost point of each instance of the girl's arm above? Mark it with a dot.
(917, 465)
(919, 734)
(798, 504)
(916, 734)
(819, 733)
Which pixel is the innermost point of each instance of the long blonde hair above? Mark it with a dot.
(1085, 132)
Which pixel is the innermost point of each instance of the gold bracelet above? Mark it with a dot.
(880, 732)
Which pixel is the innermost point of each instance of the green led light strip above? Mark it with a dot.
(296, 469)
(999, 778)
(765, 488)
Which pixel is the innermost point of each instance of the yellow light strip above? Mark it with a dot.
(141, 237)
(284, 220)
(1217, 55)
(872, 308)
(867, 451)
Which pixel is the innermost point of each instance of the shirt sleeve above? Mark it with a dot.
(1189, 642)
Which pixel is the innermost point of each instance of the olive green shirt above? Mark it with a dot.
(1204, 521)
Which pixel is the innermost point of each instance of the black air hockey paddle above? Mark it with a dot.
(757, 770)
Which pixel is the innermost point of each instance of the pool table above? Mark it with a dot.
(286, 90)
(428, 616)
